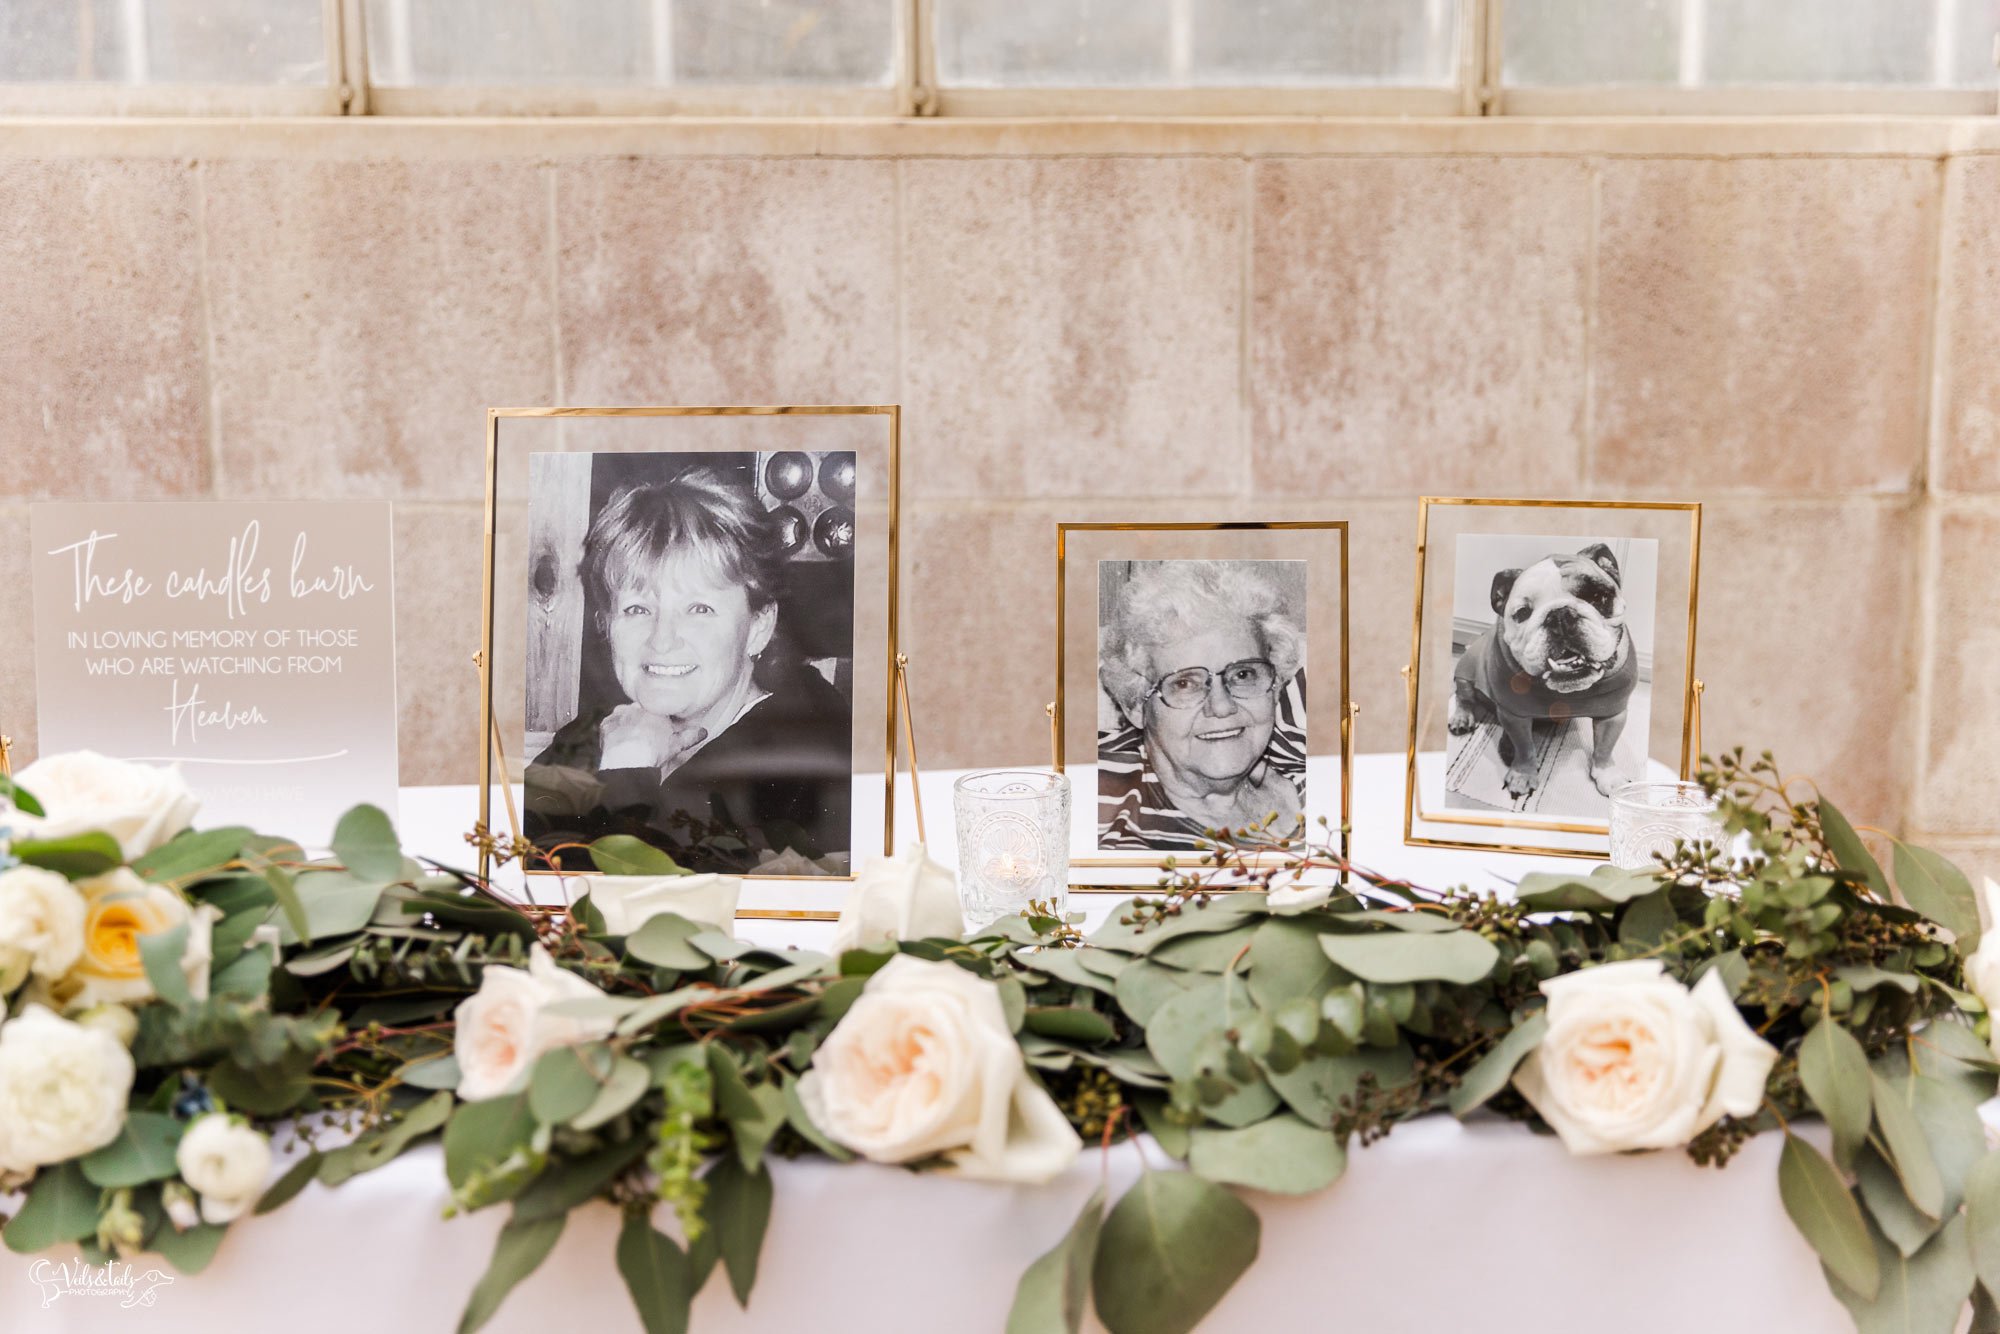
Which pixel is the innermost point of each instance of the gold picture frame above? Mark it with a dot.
(1581, 838)
(492, 750)
(1217, 540)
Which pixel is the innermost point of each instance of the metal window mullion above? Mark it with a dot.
(662, 14)
(1479, 57)
(916, 60)
(346, 56)
(132, 18)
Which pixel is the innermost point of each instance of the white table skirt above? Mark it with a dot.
(1441, 1227)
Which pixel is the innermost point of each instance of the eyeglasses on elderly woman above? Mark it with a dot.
(1189, 687)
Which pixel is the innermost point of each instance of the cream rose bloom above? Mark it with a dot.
(140, 805)
(227, 1162)
(41, 923)
(905, 897)
(62, 1089)
(1982, 968)
(119, 908)
(922, 1064)
(626, 901)
(1634, 1060)
(506, 1025)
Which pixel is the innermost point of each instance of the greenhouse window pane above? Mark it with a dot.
(1750, 43)
(280, 42)
(631, 43)
(1195, 43)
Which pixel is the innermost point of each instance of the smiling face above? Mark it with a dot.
(1563, 618)
(1221, 739)
(683, 637)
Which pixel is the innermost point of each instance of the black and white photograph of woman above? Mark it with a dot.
(690, 657)
(1201, 709)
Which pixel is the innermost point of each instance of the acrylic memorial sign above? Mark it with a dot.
(250, 642)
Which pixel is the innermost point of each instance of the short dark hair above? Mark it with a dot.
(696, 513)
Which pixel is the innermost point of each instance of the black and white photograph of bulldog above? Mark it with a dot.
(1552, 682)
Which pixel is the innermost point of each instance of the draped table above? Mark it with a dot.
(1440, 1227)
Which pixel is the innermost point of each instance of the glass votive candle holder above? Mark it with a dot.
(1013, 843)
(1648, 818)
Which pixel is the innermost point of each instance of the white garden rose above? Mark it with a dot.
(923, 1064)
(1982, 969)
(506, 1025)
(62, 1089)
(119, 908)
(41, 922)
(1635, 1060)
(227, 1162)
(626, 901)
(905, 897)
(117, 1020)
(140, 805)
(1296, 895)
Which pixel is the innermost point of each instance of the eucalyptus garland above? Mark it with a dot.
(1268, 1008)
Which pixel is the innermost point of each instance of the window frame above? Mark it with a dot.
(1477, 90)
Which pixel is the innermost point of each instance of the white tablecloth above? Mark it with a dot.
(1440, 1228)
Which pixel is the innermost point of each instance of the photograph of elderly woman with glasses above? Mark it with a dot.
(1202, 715)
(711, 719)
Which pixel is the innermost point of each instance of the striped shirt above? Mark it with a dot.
(1133, 811)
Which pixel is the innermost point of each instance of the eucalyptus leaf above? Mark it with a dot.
(1849, 852)
(1899, 1220)
(76, 856)
(518, 1253)
(1282, 1154)
(1604, 888)
(653, 1009)
(61, 1206)
(1223, 912)
(657, 1274)
(1052, 1295)
(1938, 890)
(188, 1252)
(282, 1191)
(1392, 956)
(1921, 1294)
(626, 1084)
(1286, 962)
(666, 940)
(622, 854)
(1834, 1070)
(738, 1208)
(1067, 966)
(1144, 986)
(436, 1072)
(1982, 1219)
(1905, 1147)
(486, 1132)
(365, 843)
(1072, 1022)
(1170, 1249)
(143, 1151)
(189, 856)
(1491, 1072)
(567, 1080)
(1825, 1213)
(334, 902)
(1207, 952)
(161, 952)
(1866, 977)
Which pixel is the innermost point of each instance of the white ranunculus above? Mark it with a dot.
(62, 1089)
(227, 1162)
(1982, 968)
(140, 805)
(506, 1025)
(119, 908)
(626, 901)
(41, 921)
(1635, 1060)
(923, 1064)
(904, 897)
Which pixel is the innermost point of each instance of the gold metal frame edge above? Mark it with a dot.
(490, 516)
(1411, 799)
